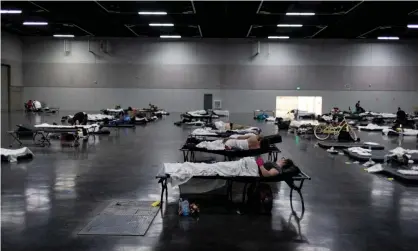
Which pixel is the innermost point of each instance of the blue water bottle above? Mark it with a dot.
(185, 207)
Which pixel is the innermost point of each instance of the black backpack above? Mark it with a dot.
(345, 136)
(260, 198)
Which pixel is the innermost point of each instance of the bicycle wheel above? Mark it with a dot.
(319, 132)
(352, 133)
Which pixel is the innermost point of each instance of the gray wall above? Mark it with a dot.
(11, 54)
(176, 74)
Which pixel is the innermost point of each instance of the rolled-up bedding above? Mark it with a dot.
(299, 123)
(372, 127)
(13, 155)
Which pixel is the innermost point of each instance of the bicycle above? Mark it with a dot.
(323, 131)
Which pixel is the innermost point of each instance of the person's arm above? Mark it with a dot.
(268, 173)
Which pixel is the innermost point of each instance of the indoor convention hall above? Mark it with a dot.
(209, 125)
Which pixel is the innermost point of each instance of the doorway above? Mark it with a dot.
(207, 102)
(5, 84)
(304, 103)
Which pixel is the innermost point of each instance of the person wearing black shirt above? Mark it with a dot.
(80, 118)
(270, 169)
(400, 115)
(400, 119)
(359, 109)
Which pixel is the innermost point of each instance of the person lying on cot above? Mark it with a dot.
(271, 169)
(243, 142)
(226, 126)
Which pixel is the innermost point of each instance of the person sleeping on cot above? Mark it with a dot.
(270, 169)
(240, 142)
(244, 142)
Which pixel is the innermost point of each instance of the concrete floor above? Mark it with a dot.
(47, 201)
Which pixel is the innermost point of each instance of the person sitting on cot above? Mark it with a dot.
(359, 109)
(271, 169)
(401, 119)
(80, 118)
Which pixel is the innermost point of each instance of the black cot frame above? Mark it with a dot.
(189, 153)
(205, 118)
(290, 180)
(44, 133)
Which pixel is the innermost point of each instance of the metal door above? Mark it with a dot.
(207, 101)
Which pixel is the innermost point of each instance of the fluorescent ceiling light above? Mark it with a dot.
(388, 38)
(10, 11)
(152, 13)
(289, 25)
(300, 14)
(170, 36)
(413, 26)
(278, 37)
(35, 23)
(63, 35)
(157, 24)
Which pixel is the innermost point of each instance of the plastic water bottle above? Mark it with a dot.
(385, 159)
(370, 147)
(185, 207)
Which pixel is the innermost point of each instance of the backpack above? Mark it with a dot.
(260, 198)
(344, 136)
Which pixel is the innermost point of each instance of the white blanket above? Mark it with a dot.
(203, 131)
(200, 113)
(399, 152)
(196, 123)
(271, 119)
(96, 117)
(12, 154)
(406, 132)
(375, 169)
(115, 110)
(378, 114)
(371, 126)
(253, 130)
(327, 117)
(299, 123)
(209, 131)
(212, 145)
(222, 112)
(360, 151)
(161, 112)
(180, 173)
(220, 125)
(408, 172)
(235, 136)
(89, 128)
(141, 119)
